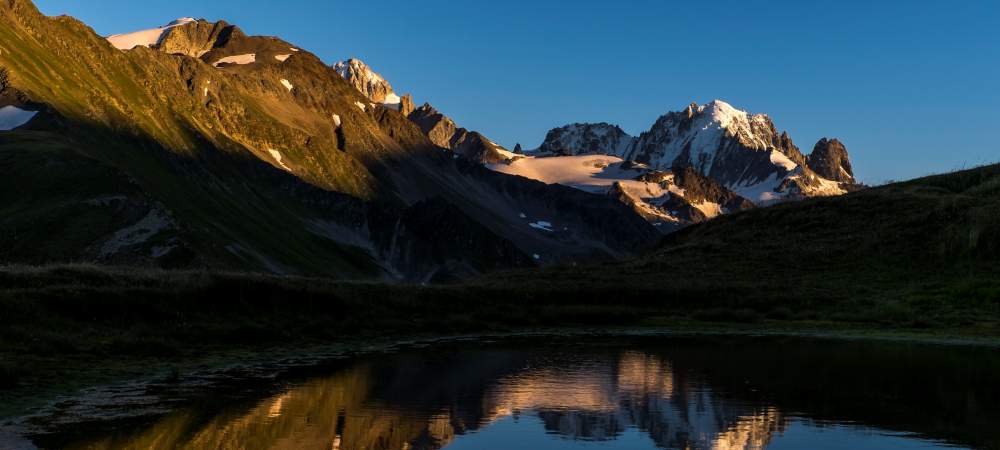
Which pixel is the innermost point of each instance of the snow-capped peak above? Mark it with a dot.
(357, 68)
(737, 123)
(366, 80)
(723, 113)
(739, 150)
(145, 38)
(181, 21)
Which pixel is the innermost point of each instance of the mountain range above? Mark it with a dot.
(195, 145)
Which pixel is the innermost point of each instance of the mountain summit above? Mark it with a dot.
(743, 152)
(366, 80)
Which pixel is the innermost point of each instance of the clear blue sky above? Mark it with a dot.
(912, 87)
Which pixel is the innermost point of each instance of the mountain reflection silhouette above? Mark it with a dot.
(678, 393)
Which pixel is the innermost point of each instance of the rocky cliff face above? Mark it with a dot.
(197, 38)
(730, 146)
(742, 152)
(443, 132)
(367, 81)
(597, 138)
(438, 127)
(829, 160)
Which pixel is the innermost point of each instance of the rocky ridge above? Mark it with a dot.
(740, 151)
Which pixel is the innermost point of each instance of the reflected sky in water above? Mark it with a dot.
(635, 393)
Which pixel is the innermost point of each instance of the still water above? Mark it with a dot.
(602, 393)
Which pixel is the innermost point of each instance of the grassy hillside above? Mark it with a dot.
(923, 252)
(192, 141)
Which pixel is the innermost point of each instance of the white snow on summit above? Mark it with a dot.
(698, 137)
(710, 124)
(12, 117)
(368, 82)
(145, 38)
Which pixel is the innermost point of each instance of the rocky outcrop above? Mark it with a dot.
(742, 152)
(477, 147)
(829, 159)
(406, 106)
(699, 188)
(443, 132)
(438, 127)
(441, 129)
(594, 138)
(366, 80)
(198, 38)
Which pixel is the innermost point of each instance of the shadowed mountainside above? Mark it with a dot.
(275, 165)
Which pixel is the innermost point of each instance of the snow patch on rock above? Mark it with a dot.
(12, 117)
(287, 84)
(248, 58)
(277, 157)
(282, 58)
(541, 225)
(591, 173)
(779, 159)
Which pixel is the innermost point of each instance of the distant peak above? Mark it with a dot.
(720, 104)
(721, 107)
(180, 21)
(145, 38)
(367, 81)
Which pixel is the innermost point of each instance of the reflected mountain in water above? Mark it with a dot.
(598, 400)
(592, 394)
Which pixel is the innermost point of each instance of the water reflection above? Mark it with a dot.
(599, 400)
(685, 394)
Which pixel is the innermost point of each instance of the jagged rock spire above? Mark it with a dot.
(830, 160)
